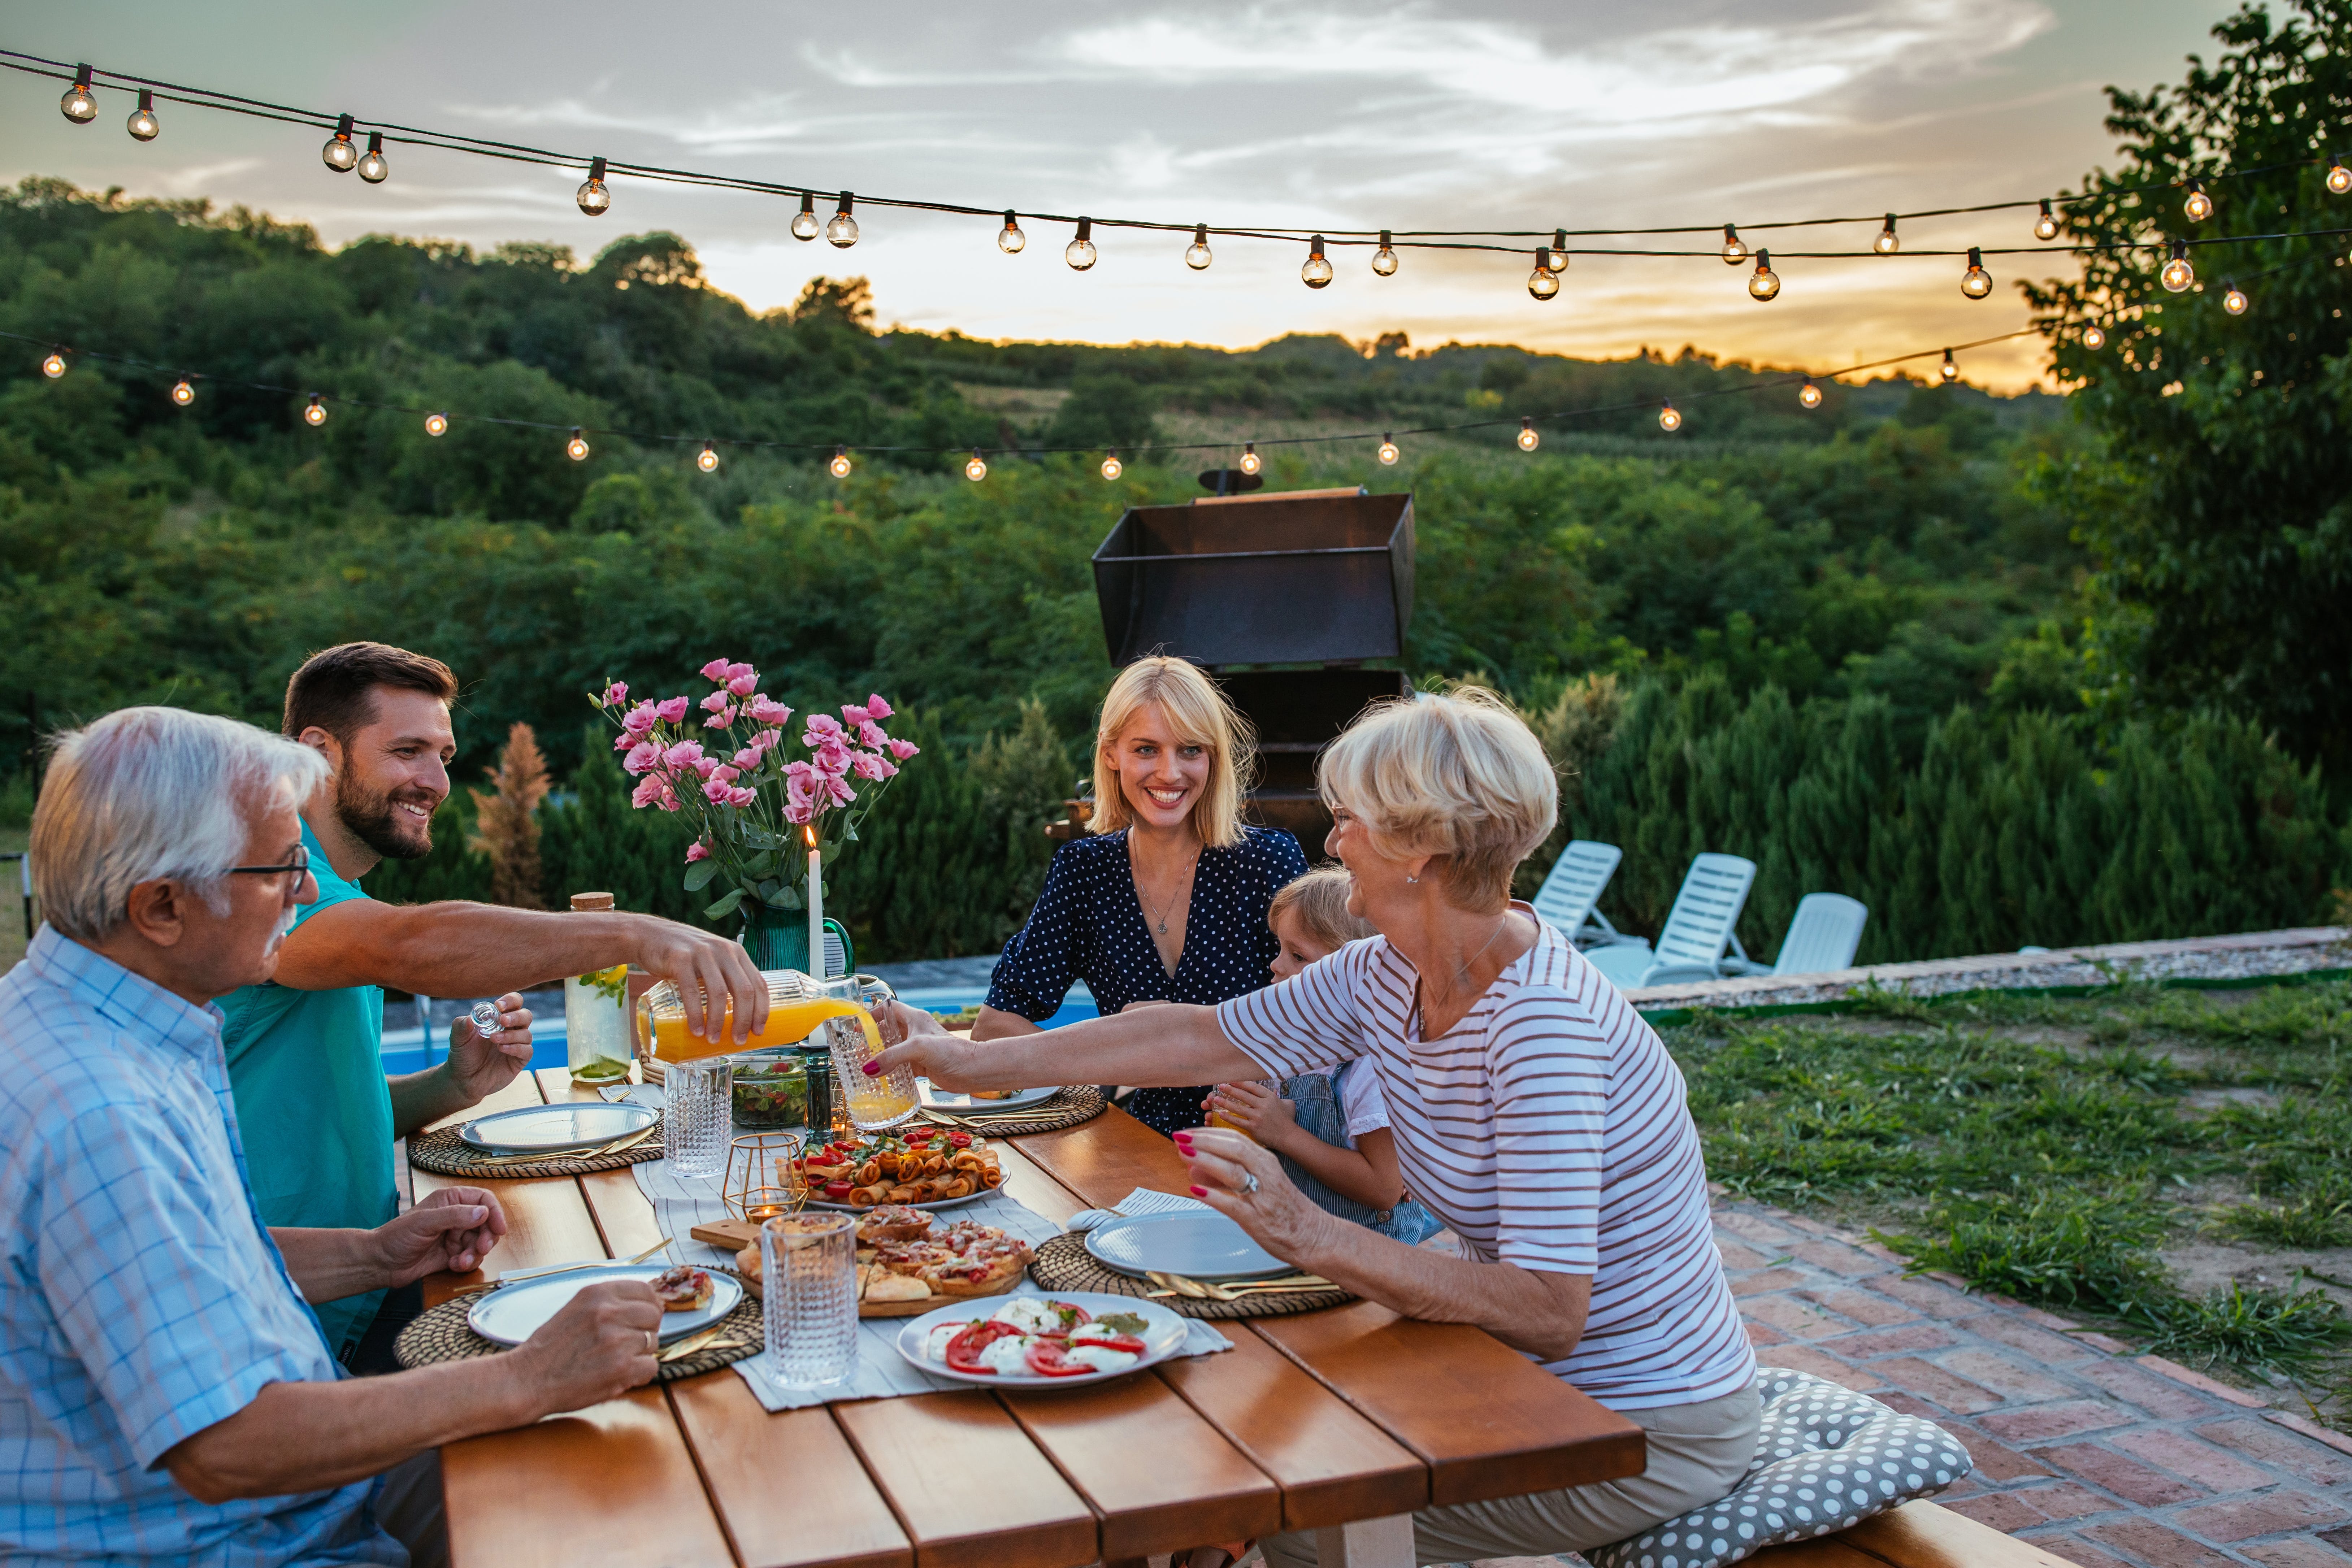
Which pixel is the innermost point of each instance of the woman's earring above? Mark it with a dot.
(1412, 879)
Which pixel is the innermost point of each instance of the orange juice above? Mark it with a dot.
(788, 1023)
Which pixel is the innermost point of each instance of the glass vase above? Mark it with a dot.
(778, 938)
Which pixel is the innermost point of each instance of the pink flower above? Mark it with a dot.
(720, 720)
(640, 719)
(741, 685)
(624, 740)
(714, 702)
(739, 798)
(671, 712)
(706, 767)
(647, 792)
(716, 792)
(832, 758)
(668, 800)
(837, 788)
(641, 759)
(724, 773)
(737, 671)
(615, 694)
(684, 754)
(902, 750)
(852, 714)
(799, 812)
(822, 727)
(767, 740)
(747, 759)
(697, 850)
(715, 671)
(869, 734)
(766, 710)
(876, 708)
(872, 765)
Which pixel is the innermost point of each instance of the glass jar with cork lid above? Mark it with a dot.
(596, 1016)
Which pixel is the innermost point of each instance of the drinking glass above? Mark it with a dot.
(808, 1276)
(1217, 1118)
(698, 1117)
(877, 1102)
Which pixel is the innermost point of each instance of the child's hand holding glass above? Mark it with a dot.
(1255, 1111)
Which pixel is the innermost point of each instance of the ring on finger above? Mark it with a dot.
(653, 1341)
(1249, 1181)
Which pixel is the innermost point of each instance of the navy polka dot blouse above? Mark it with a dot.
(1088, 925)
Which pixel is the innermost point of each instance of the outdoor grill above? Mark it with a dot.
(1283, 597)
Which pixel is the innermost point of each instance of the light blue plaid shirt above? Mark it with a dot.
(141, 1299)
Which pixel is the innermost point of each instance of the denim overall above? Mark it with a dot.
(1315, 1104)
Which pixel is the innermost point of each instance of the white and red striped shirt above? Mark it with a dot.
(1548, 1129)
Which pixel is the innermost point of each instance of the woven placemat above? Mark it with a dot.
(1064, 1264)
(445, 1154)
(1075, 1107)
(441, 1333)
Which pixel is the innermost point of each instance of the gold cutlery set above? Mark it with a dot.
(1205, 1290)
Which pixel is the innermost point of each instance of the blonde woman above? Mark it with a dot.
(1166, 900)
(1535, 1113)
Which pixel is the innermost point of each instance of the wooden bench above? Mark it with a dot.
(1915, 1535)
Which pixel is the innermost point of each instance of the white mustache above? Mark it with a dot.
(285, 924)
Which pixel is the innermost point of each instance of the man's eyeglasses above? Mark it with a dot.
(294, 870)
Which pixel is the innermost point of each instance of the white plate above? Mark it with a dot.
(1163, 1336)
(512, 1313)
(553, 1128)
(935, 1203)
(1196, 1242)
(964, 1104)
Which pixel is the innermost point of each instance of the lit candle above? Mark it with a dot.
(817, 965)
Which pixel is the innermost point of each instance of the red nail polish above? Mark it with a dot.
(1200, 1191)
(872, 1068)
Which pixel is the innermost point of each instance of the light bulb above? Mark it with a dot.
(839, 466)
(54, 364)
(77, 105)
(707, 459)
(1111, 467)
(1668, 418)
(1080, 252)
(2339, 178)
(436, 424)
(2233, 300)
(183, 391)
(143, 124)
(1888, 242)
(1010, 239)
(841, 229)
(1196, 255)
(1763, 283)
(1543, 283)
(2046, 225)
(592, 195)
(577, 448)
(2093, 339)
(372, 168)
(1735, 250)
(1316, 272)
(315, 414)
(1947, 370)
(804, 224)
(339, 154)
(1384, 259)
(1528, 436)
(1388, 448)
(975, 470)
(2178, 275)
(1251, 461)
(1557, 260)
(2199, 206)
(1976, 282)
(1809, 395)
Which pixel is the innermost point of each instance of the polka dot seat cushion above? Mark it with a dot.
(1826, 1458)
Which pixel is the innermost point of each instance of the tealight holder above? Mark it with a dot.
(763, 1178)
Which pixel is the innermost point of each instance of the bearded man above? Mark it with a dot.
(305, 1050)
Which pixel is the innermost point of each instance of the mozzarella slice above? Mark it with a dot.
(1030, 1314)
(936, 1347)
(1093, 1332)
(1102, 1358)
(1007, 1354)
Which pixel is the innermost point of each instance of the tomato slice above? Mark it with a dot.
(836, 1192)
(1050, 1358)
(960, 1139)
(1127, 1343)
(1072, 1316)
(963, 1351)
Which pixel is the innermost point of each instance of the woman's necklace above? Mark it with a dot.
(1184, 882)
(1461, 972)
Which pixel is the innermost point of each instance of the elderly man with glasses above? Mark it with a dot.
(165, 1391)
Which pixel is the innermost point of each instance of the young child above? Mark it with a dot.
(1330, 1130)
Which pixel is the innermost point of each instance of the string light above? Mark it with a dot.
(577, 448)
(1388, 449)
(804, 224)
(1010, 239)
(1735, 250)
(53, 365)
(183, 391)
(1112, 469)
(1384, 259)
(143, 124)
(2046, 225)
(2093, 339)
(2339, 178)
(975, 470)
(315, 414)
(841, 229)
(1251, 461)
(1543, 283)
(339, 154)
(372, 168)
(1080, 252)
(2199, 206)
(2178, 275)
(1316, 272)
(1559, 259)
(839, 466)
(592, 195)
(708, 458)
(436, 424)
(1947, 370)
(1809, 395)
(1669, 420)
(1976, 282)
(1196, 255)
(1888, 242)
(1763, 283)
(1528, 436)
(2233, 299)
(77, 105)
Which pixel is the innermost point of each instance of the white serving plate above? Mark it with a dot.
(965, 1105)
(512, 1313)
(1199, 1243)
(557, 1128)
(1163, 1337)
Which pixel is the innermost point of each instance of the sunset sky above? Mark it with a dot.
(1473, 114)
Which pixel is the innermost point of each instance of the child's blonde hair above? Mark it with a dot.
(1318, 901)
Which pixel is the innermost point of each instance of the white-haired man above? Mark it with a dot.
(165, 1393)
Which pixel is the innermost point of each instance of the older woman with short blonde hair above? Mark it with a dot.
(1535, 1113)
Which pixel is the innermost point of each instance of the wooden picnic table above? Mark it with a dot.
(1342, 1422)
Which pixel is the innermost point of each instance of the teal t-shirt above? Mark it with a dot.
(307, 1068)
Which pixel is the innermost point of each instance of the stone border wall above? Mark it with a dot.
(2249, 957)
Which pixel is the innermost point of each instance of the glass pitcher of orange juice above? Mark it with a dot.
(797, 1005)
